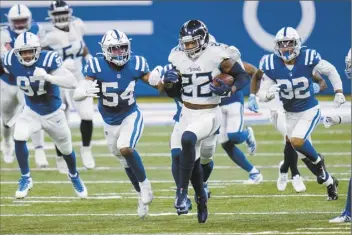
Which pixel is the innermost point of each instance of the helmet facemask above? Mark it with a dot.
(20, 25)
(118, 54)
(61, 18)
(193, 46)
(287, 49)
(27, 55)
(348, 69)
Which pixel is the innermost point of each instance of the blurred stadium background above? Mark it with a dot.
(235, 208)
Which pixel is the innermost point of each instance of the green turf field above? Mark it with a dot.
(235, 208)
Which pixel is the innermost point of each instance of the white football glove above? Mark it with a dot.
(155, 76)
(69, 64)
(339, 99)
(272, 91)
(316, 88)
(93, 89)
(40, 73)
(331, 121)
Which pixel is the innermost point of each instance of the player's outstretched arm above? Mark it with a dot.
(86, 88)
(61, 77)
(153, 78)
(236, 70)
(268, 89)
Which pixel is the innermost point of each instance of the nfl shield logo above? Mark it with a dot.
(118, 76)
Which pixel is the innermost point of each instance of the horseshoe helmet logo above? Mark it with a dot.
(266, 40)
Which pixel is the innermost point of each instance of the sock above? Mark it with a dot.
(348, 200)
(310, 165)
(292, 157)
(38, 139)
(175, 165)
(207, 169)
(254, 171)
(86, 132)
(187, 159)
(237, 156)
(22, 156)
(238, 137)
(308, 150)
(71, 162)
(58, 153)
(7, 133)
(197, 179)
(133, 179)
(134, 161)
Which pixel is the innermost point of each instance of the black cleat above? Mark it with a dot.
(332, 190)
(202, 210)
(321, 174)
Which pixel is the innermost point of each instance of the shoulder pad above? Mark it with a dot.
(8, 58)
(267, 62)
(176, 51)
(94, 64)
(79, 25)
(140, 64)
(311, 56)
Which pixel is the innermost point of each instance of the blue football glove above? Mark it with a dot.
(316, 88)
(252, 103)
(171, 76)
(223, 89)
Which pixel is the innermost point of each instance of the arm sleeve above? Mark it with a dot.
(325, 68)
(63, 78)
(264, 88)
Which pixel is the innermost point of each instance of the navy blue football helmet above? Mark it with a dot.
(193, 38)
(60, 13)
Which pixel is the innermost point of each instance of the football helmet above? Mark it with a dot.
(287, 43)
(348, 69)
(116, 47)
(27, 48)
(60, 13)
(19, 18)
(193, 38)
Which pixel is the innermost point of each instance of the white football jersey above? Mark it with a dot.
(197, 75)
(67, 44)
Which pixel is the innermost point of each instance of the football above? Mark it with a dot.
(228, 79)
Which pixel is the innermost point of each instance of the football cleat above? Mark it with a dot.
(321, 173)
(298, 184)
(40, 158)
(332, 190)
(345, 217)
(254, 178)
(78, 186)
(24, 185)
(61, 165)
(87, 157)
(142, 210)
(146, 192)
(250, 141)
(202, 209)
(182, 203)
(207, 193)
(281, 182)
(8, 150)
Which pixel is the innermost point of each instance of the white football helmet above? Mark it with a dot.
(287, 43)
(116, 47)
(19, 18)
(60, 13)
(27, 48)
(348, 70)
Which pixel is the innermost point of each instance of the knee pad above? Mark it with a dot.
(175, 152)
(188, 139)
(21, 133)
(206, 154)
(123, 161)
(65, 148)
(236, 137)
(85, 109)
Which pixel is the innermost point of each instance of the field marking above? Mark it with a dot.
(217, 233)
(15, 205)
(158, 168)
(225, 182)
(119, 196)
(173, 214)
(322, 228)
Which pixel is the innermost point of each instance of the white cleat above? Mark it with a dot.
(255, 178)
(146, 192)
(40, 158)
(8, 150)
(87, 157)
(78, 186)
(298, 184)
(343, 218)
(142, 209)
(61, 165)
(282, 180)
(24, 185)
(251, 142)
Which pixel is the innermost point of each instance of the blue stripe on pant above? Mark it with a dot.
(314, 123)
(137, 129)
